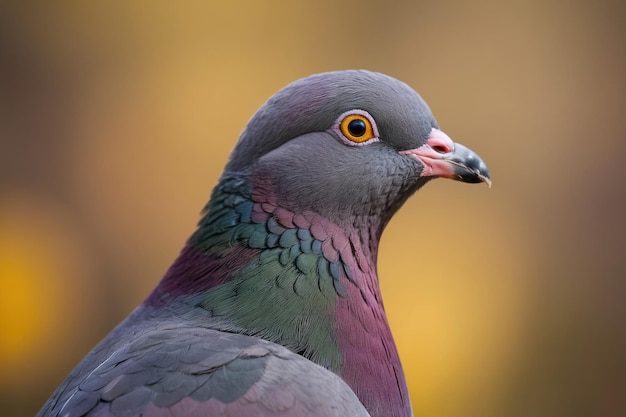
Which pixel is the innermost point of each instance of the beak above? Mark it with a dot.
(442, 157)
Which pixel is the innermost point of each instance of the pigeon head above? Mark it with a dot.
(349, 145)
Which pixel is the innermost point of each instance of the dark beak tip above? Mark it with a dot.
(469, 167)
(474, 178)
(484, 175)
(473, 174)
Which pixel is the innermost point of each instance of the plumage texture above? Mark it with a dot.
(169, 368)
(273, 306)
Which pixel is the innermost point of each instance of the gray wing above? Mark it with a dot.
(187, 371)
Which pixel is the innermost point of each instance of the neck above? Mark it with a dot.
(296, 279)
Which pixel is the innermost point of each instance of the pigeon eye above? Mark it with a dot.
(357, 127)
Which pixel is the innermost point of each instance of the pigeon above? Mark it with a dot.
(273, 306)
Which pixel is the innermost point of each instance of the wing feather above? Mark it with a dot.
(177, 371)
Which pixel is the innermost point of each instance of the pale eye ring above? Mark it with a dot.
(356, 128)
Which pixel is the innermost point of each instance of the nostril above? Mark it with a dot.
(440, 142)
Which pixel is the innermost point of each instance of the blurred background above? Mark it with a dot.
(116, 119)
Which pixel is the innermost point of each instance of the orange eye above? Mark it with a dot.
(357, 127)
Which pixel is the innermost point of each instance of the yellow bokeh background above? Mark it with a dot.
(116, 119)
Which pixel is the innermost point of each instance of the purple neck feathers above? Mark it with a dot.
(372, 365)
(245, 223)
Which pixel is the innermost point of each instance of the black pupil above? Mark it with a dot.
(357, 128)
